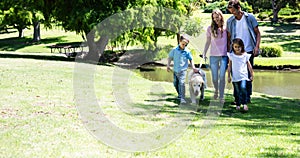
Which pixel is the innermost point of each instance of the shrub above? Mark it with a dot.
(285, 11)
(291, 18)
(222, 5)
(263, 15)
(271, 51)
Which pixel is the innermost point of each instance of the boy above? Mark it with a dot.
(180, 56)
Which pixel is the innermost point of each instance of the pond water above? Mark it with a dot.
(277, 83)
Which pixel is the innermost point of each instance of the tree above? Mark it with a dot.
(22, 14)
(83, 17)
(278, 4)
(275, 5)
(17, 18)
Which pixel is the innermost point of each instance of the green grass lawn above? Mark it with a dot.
(11, 42)
(39, 118)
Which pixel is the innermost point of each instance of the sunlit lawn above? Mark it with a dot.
(11, 42)
(38, 116)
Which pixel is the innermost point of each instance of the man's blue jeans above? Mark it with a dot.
(240, 89)
(249, 83)
(179, 83)
(218, 66)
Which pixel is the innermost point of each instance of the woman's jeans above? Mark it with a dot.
(179, 84)
(218, 66)
(240, 89)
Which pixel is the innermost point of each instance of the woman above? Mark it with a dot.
(216, 37)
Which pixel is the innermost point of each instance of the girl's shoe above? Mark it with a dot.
(222, 100)
(245, 107)
(238, 107)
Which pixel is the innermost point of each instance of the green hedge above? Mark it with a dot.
(271, 51)
(222, 5)
(289, 18)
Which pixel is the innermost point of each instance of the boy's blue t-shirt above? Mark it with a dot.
(180, 58)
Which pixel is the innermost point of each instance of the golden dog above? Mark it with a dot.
(196, 85)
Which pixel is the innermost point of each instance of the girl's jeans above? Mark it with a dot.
(218, 66)
(179, 83)
(240, 89)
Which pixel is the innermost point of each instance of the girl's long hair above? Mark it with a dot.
(214, 26)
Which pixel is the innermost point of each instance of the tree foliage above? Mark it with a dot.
(84, 16)
(22, 14)
(275, 5)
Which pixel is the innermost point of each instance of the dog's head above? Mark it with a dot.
(196, 83)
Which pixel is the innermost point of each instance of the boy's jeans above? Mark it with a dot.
(218, 63)
(179, 83)
(240, 89)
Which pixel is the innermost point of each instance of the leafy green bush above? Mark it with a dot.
(263, 15)
(288, 11)
(222, 5)
(163, 52)
(271, 51)
(291, 18)
(285, 11)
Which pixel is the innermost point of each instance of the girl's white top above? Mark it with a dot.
(239, 66)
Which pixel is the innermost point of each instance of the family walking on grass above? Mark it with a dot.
(232, 48)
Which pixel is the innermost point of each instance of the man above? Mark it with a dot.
(243, 25)
(180, 56)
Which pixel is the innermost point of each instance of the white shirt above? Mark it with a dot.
(242, 32)
(239, 66)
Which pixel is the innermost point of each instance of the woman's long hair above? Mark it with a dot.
(214, 25)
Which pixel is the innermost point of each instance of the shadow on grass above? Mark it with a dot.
(293, 45)
(265, 113)
(15, 43)
(275, 151)
(38, 57)
(7, 32)
(281, 27)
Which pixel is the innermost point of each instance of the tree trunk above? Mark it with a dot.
(276, 9)
(21, 32)
(36, 31)
(92, 54)
(178, 38)
(96, 49)
(101, 44)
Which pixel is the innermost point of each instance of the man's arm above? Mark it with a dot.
(250, 69)
(228, 41)
(258, 38)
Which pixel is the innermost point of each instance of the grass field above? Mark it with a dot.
(39, 118)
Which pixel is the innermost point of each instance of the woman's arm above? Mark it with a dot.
(207, 44)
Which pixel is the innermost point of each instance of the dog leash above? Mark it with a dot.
(200, 65)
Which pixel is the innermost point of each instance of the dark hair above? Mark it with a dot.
(239, 42)
(233, 3)
(184, 38)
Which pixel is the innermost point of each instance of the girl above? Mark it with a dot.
(238, 68)
(216, 36)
